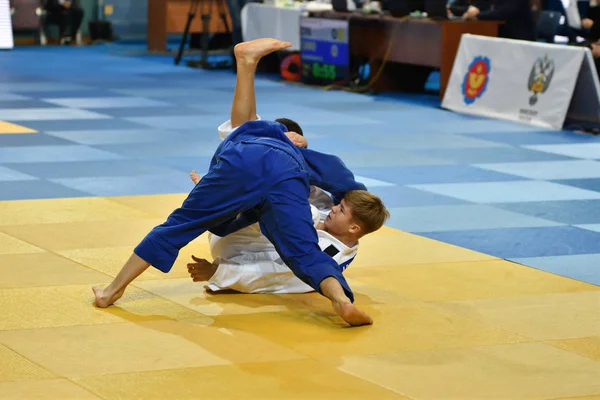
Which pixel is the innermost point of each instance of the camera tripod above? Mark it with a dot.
(206, 14)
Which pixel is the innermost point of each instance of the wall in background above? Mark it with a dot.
(128, 18)
(90, 10)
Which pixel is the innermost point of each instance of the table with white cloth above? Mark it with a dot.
(265, 20)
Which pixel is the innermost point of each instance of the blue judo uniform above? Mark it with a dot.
(258, 175)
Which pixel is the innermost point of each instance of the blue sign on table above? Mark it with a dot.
(325, 50)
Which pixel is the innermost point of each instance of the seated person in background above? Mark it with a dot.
(591, 22)
(68, 14)
(592, 16)
(516, 14)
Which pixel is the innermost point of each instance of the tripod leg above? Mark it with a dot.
(186, 31)
(223, 14)
(205, 33)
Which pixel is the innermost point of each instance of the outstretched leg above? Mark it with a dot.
(216, 200)
(247, 55)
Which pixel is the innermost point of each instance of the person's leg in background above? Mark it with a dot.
(63, 24)
(75, 19)
(69, 19)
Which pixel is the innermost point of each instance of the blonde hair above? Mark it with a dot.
(367, 210)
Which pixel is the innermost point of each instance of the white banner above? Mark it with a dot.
(6, 33)
(515, 80)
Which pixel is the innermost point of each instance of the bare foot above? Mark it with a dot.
(202, 270)
(351, 314)
(254, 50)
(195, 177)
(105, 299)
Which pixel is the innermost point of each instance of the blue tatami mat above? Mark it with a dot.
(114, 122)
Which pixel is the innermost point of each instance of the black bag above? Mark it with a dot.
(100, 30)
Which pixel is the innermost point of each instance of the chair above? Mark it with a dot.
(548, 25)
(25, 15)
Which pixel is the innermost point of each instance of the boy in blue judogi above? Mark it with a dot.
(256, 175)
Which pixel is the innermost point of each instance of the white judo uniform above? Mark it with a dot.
(248, 262)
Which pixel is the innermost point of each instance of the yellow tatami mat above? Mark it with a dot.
(9, 128)
(450, 323)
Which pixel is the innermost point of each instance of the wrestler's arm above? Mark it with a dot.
(331, 174)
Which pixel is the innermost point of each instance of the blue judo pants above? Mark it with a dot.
(249, 176)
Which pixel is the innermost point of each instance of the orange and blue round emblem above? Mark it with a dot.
(476, 79)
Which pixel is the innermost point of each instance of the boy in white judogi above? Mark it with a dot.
(245, 261)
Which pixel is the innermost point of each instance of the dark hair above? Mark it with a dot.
(292, 126)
